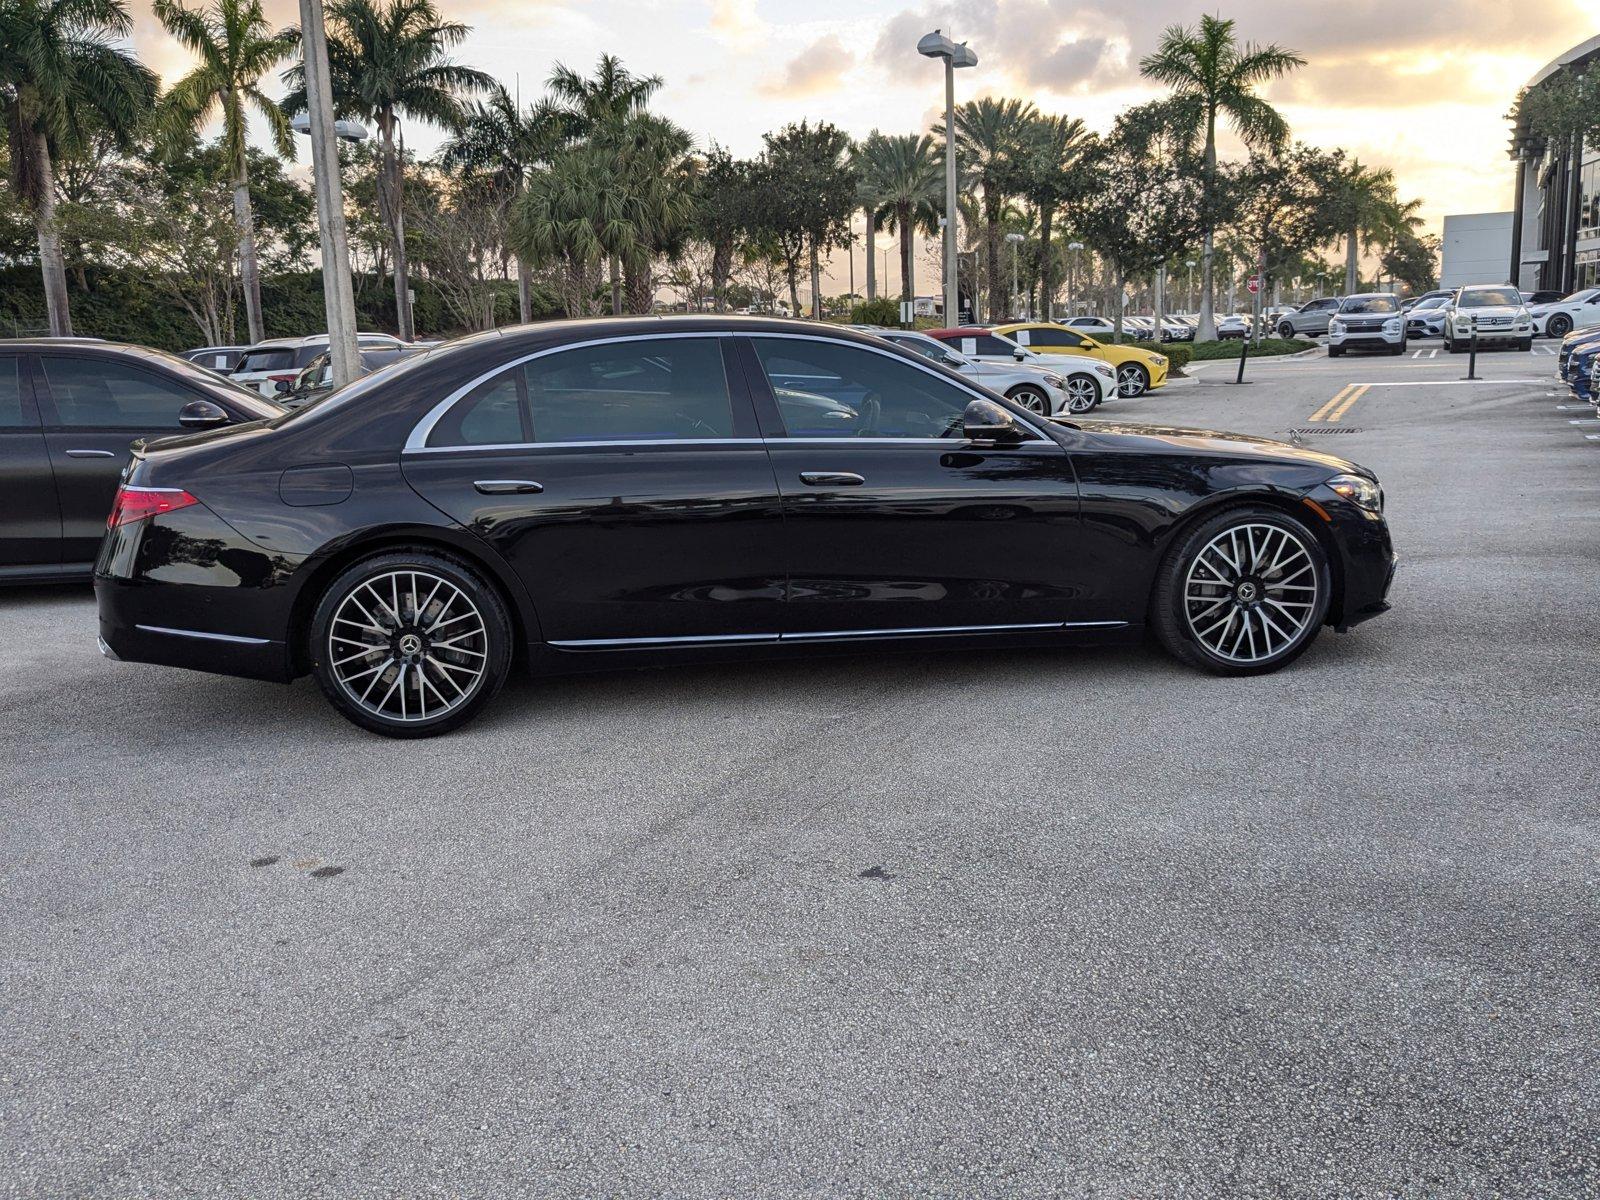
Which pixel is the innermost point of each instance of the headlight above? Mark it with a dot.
(1160, 360)
(1335, 326)
(1359, 490)
(1101, 368)
(1392, 325)
(1055, 381)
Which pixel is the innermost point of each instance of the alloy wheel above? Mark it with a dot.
(1130, 381)
(1033, 400)
(1251, 593)
(1082, 394)
(407, 646)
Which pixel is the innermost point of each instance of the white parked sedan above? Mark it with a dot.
(1559, 318)
(1037, 387)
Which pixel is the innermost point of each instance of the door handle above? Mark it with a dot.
(508, 487)
(831, 479)
(90, 454)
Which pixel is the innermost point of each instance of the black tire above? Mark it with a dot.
(1171, 616)
(1559, 325)
(1526, 345)
(1034, 399)
(401, 616)
(1396, 351)
(1335, 351)
(1286, 331)
(1132, 380)
(1454, 347)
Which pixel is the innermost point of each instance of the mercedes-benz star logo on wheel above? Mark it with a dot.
(1247, 592)
(410, 644)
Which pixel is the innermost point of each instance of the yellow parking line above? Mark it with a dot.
(1338, 413)
(1322, 413)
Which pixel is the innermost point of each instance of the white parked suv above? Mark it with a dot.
(1560, 317)
(1494, 312)
(1046, 390)
(271, 367)
(1370, 321)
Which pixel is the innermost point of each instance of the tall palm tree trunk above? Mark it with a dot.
(250, 274)
(51, 262)
(907, 285)
(1208, 246)
(393, 198)
(991, 255)
(1047, 262)
(872, 257)
(1352, 260)
(524, 291)
(614, 267)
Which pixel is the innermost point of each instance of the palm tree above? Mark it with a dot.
(388, 59)
(236, 48)
(597, 109)
(59, 70)
(1212, 75)
(1052, 150)
(501, 143)
(1365, 202)
(869, 202)
(905, 175)
(989, 140)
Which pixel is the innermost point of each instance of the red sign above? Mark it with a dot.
(1254, 285)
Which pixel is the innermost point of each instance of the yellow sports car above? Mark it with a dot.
(1138, 371)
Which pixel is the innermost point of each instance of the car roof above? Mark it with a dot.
(956, 331)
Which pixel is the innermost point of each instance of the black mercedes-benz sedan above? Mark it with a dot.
(69, 409)
(622, 491)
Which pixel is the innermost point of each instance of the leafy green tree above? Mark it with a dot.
(1051, 174)
(990, 139)
(1279, 211)
(1212, 75)
(388, 60)
(236, 47)
(904, 174)
(1413, 260)
(59, 69)
(1361, 200)
(724, 212)
(808, 186)
(1150, 202)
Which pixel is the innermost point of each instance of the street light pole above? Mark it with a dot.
(936, 45)
(1072, 276)
(337, 296)
(1016, 240)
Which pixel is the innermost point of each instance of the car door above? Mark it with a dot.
(1317, 314)
(94, 408)
(893, 521)
(30, 520)
(1054, 340)
(624, 480)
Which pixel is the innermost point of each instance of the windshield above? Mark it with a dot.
(1370, 304)
(1489, 297)
(1432, 302)
(1582, 297)
(931, 349)
(337, 397)
(266, 360)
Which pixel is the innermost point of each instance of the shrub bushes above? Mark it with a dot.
(882, 311)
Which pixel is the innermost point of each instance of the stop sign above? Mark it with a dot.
(1254, 285)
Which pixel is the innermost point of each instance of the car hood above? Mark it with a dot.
(1216, 442)
(1491, 310)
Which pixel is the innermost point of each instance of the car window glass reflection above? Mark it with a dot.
(107, 395)
(825, 389)
(656, 390)
(11, 415)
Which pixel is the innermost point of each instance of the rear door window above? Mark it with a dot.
(14, 414)
(827, 389)
(267, 360)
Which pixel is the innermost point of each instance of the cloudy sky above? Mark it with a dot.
(1417, 85)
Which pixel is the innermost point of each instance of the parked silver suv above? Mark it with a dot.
(1310, 319)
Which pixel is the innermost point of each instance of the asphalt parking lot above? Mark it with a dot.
(1075, 923)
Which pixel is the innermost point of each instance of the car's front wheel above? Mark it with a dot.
(1559, 325)
(1526, 345)
(1242, 593)
(1083, 393)
(1286, 331)
(410, 643)
(1032, 398)
(1132, 380)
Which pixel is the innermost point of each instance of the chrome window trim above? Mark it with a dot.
(825, 635)
(417, 439)
(232, 638)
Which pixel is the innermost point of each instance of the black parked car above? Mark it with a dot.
(614, 492)
(68, 410)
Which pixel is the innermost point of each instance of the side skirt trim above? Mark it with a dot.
(206, 637)
(820, 636)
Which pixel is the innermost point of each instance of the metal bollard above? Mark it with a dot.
(1472, 352)
(1244, 350)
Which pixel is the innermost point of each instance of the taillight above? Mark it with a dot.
(137, 503)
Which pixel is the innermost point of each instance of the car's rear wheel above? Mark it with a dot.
(1132, 380)
(410, 643)
(1083, 393)
(1034, 399)
(1242, 593)
(1559, 325)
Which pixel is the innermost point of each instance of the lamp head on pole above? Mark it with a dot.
(936, 45)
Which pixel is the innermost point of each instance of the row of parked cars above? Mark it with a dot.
(1578, 365)
(293, 371)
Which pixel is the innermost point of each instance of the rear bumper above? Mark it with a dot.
(126, 639)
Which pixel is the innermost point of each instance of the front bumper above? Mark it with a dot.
(1374, 339)
(1499, 335)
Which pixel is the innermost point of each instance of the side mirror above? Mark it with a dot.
(1020, 354)
(201, 414)
(985, 421)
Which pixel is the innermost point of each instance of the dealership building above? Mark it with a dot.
(1554, 231)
